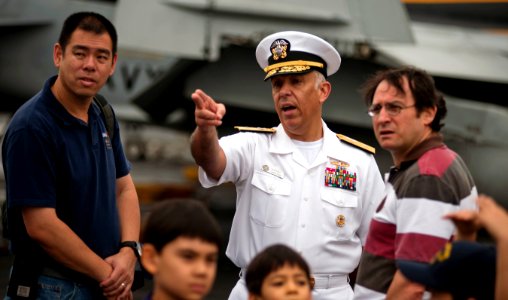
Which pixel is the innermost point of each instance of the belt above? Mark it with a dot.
(323, 281)
(320, 281)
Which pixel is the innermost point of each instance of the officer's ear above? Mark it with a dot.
(325, 89)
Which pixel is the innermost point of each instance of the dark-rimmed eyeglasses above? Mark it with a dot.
(392, 109)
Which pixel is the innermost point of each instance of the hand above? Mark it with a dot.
(207, 112)
(466, 222)
(493, 217)
(118, 284)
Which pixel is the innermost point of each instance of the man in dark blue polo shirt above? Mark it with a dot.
(72, 204)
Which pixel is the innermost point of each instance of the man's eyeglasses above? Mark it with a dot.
(392, 109)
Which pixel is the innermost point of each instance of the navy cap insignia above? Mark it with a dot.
(279, 49)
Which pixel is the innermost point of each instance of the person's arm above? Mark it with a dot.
(502, 269)
(128, 208)
(402, 288)
(371, 196)
(205, 146)
(124, 262)
(61, 243)
(495, 220)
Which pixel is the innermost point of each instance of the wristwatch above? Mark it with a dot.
(135, 246)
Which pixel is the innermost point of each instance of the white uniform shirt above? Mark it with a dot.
(281, 198)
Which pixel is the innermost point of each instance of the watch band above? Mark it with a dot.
(135, 246)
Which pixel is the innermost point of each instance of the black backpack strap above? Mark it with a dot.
(107, 111)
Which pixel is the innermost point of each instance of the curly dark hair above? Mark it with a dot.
(421, 85)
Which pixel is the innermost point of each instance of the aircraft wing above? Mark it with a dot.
(451, 51)
(215, 24)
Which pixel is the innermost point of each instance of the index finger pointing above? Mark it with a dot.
(198, 99)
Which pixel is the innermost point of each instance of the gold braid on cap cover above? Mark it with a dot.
(294, 63)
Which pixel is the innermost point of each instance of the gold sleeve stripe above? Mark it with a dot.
(356, 143)
(294, 63)
(255, 129)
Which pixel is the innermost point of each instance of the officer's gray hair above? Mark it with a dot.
(319, 78)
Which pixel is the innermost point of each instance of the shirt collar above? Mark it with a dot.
(434, 141)
(282, 143)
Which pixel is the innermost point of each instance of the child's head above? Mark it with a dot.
(277, 272)
(181, 241)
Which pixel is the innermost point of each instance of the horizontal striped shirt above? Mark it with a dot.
(408, 223)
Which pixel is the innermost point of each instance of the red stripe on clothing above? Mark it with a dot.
(436, 161)
(417, 247)
(381, 239)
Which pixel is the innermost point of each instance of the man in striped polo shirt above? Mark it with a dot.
(427, 181)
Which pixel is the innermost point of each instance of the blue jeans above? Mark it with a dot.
(51, 288)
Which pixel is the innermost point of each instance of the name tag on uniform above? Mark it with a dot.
(272, 170)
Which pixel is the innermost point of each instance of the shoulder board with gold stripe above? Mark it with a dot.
(356, 143)
(255, 129)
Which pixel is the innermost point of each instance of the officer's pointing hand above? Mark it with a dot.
(207, 112)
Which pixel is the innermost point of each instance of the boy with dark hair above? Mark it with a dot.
(279, 272)
(181, 242)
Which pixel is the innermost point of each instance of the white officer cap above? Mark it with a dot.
(294, 52)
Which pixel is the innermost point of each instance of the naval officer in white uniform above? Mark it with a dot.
(298, 183)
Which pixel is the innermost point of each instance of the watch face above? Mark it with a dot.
(138, 248)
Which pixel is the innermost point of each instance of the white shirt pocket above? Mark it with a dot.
(269, 199)
(341, 213)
